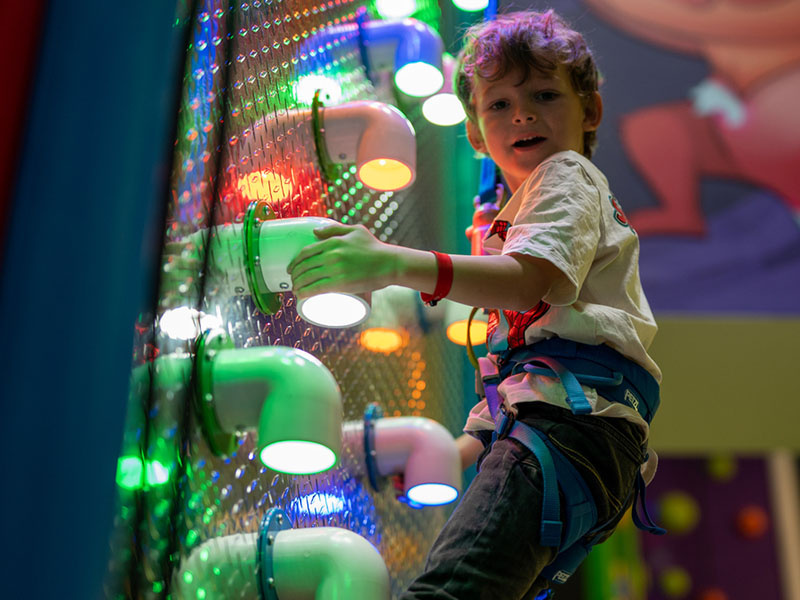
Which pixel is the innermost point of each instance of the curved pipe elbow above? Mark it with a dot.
(286, 394)
(409, 40)
(366, 132)
(320, 563)
(423, 451)
(328, 563)
(220, 567)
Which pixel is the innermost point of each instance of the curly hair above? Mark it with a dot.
(525, 41)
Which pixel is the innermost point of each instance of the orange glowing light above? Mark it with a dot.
(265, 185)
(457, 332)
(382, 339)
(385, 174)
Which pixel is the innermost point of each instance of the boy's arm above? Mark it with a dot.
(350, 259)
(469, 448)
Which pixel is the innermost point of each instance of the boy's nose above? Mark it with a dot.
(524, 114)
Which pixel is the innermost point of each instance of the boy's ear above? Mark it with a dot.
(475, 137)
(593, 112)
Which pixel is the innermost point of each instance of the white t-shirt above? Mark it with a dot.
(565, 213)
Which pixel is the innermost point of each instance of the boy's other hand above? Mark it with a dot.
(348, 258)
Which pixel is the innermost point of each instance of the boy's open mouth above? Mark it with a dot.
(528, 142)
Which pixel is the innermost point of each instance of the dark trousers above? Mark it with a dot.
(489, 548)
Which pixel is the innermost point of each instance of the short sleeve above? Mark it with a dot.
(559, 221)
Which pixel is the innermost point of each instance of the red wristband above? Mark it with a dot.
(444, 279)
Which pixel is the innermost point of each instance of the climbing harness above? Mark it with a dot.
(617, 379)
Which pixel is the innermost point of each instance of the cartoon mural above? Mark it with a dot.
(699, 145)
(738, 123)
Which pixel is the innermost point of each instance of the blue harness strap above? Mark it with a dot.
(558, 472)
(550, 532)
(575, 397)
(615, 376)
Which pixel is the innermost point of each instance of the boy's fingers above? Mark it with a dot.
(304, 254)
(309, 282)
(329, 231)
(323, 233)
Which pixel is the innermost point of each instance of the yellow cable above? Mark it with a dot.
(470, 351)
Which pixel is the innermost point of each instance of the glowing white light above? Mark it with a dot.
(444, 110)
(184, 323)
(298, 457)
(432, 494)
(156, 473)
(334, 310)
(395, 9)
(307, 85)
(471, 5)
(419, 79)
(317, 504)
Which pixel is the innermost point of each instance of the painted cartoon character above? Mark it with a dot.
(741, 123)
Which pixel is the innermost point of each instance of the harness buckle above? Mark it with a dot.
(505, 422)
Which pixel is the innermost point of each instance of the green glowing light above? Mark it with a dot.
(201, 593)
(395, 9)
(129, 472)
(157, 474)
(188, 577)
(191, 537)
(132, 475)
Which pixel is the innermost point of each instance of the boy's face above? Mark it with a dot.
(520, 124)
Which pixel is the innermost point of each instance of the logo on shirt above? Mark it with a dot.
(619, 215)
(518, 322)
(500, 228)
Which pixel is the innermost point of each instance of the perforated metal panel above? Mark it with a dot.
(245, 135)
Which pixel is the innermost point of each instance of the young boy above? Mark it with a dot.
(563, 283)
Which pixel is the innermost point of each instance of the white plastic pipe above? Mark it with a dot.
(320, 563)
(285, 393)
(420, 449)
(328, 563)
(223, 567)
(279, 242)
(365, 132)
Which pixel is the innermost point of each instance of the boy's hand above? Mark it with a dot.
(347, 259)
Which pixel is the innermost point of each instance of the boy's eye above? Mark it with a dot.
(546, 96)
(498, 105)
